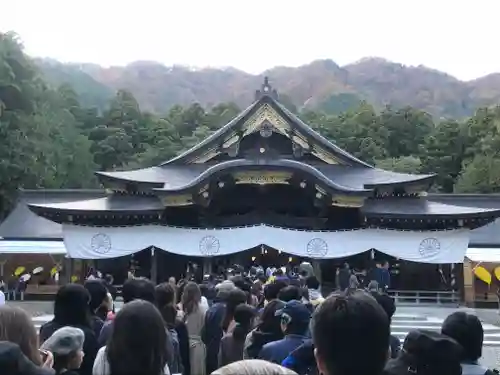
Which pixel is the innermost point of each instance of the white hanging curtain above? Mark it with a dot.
(86, 242)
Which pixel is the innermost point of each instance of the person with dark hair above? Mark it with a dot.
(99, 305)
(313, 291)
(272, 290)
(426, 352)
(268, 330)
(245, 285)
(290, 293)
(295, 317)
(212, 331)
(178, 334)
(345, 326)
(71, 308)
(235, 297)
(467, 330)
(344, 277)
(136, 288)
(137, 344)
(389, 306)
(231, 345)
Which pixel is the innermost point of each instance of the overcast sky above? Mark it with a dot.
(460, 37)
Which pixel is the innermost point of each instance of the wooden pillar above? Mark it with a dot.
(66, 271)
(154, 265)
(468, 286)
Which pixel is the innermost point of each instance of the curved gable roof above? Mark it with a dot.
(235, 126)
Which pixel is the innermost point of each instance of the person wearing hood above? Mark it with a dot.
(268, 330)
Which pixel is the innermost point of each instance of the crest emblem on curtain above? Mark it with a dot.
(429, 247)
(101, 243)
(209, 245)
(317, 248)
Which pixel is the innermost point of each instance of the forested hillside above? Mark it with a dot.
(51, 139)
(321, 85)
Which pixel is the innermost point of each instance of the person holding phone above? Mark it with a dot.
(14, 361)
(19, 330)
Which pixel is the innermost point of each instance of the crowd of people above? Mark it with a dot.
(266, 324)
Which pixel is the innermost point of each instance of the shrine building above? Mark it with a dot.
(265, 188)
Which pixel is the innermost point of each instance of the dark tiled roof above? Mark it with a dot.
(215, 137)
(302, 126)
(357, 177)
(21, 223)
(111, 204)
(178, 177)
(173, 176)
(416, 208)
(489, 235)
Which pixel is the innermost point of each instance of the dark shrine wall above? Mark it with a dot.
(281, 205)
(274, 146)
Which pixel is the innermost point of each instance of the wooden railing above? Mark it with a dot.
(421, 297)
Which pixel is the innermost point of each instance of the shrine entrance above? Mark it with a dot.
(266, 256)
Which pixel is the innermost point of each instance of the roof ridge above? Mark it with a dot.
(23, 191)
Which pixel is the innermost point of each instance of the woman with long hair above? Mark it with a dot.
(16, 327)
(193, 315)
(71, 308)
(268, 330)
(137, 344)
(231, 346)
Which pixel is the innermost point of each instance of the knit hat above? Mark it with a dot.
(64, 341)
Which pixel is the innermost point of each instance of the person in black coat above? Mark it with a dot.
(212, 330)
(71, 308)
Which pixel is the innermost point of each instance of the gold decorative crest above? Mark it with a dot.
(177, 200)
(262, 178)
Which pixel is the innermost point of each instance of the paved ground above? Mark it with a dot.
(406, 318)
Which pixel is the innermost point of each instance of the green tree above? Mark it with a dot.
(404, 164)
(481, 175)
(443, 153)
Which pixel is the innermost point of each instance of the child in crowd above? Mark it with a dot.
(66, 344)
